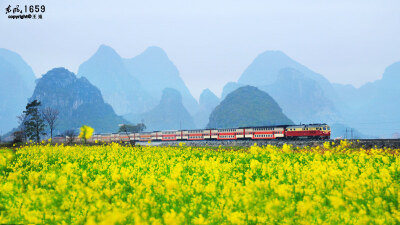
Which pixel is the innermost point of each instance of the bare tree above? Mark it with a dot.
(69, 136)
(18, 136)
(50, 116)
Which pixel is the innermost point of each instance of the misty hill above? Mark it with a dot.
(17, 82)
(208, 101)
(301, 98)
(346, 93)
(155, 72)
(304, 95)
(247, 106)
(77, 100)
(265, 69)
(374, 107)
(106, 70)
(169, 114)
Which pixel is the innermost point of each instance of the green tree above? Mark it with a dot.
(132, 128)
(86, 132)
(34, 124)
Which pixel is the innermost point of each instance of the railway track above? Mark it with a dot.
(364, 143)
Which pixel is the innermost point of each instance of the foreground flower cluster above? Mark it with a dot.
(113, 184)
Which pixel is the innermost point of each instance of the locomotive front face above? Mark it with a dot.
(326, 129)
(313, 131)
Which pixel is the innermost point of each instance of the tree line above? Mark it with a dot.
(34, 120)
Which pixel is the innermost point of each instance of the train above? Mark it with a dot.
(319, 131)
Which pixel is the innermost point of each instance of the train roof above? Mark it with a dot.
(308, 125)
(265, 126)
(244, 127)
(193, 129)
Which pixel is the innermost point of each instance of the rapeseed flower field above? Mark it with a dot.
(115, 184)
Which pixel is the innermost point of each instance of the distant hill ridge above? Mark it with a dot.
(17, 82)
(106, 70)
(169, 114)
(305, 96)
(207, 102)
(135, 85)
(373, 108)
(155, 71)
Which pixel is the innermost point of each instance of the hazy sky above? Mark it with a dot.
(213, 41)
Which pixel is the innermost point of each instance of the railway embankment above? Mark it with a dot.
(358, 143)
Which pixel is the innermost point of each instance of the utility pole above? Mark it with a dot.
(345, 136)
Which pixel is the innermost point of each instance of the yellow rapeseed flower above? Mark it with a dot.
(115, 184)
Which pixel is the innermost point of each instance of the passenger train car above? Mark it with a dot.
(302, 131)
